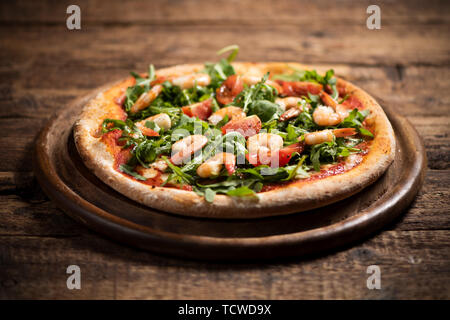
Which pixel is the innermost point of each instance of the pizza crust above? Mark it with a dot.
(295, 197)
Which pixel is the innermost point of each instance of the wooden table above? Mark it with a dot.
(44, 65)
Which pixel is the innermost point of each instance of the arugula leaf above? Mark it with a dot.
(145, 153)
(145, 82)
(306, 75)
(152, 125)
(221, 70)
(293, 172)
(259, 91)
(305, 121)
(324, 152)
(117, 124)
(232, 186)
(365, 132)
(264, 109)
(327, 152)
(243, 191)
(187, 178)
(142, 85)
(344, 98)
(234, 48)
(130, 171)
(293, 133)
(355, 120)
(209, 194)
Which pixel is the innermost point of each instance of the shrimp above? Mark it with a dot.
(232, 112)
(161, 119)
(213, 166)
(288, 102)
(184, 148)
(154, 173)
(146, 98)
(292, 107)
(251, 80)
(264, 145)
(299, 88)
(326, 116)
(331, 114)
(319, 137)
(188, 81)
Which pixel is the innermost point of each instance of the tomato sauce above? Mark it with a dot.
(335, 169)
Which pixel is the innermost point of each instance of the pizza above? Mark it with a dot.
(235, 139)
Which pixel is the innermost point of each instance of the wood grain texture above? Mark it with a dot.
(43, 66)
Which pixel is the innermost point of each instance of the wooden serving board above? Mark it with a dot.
(84, 197)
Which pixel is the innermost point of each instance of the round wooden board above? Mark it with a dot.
(84, 197)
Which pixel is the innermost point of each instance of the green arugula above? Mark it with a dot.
(142, 85)
(130, 171)
(355, 120)
(221, 70)
(311, 76)
(249, 98)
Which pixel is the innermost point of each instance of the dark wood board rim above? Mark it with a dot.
(213, 248)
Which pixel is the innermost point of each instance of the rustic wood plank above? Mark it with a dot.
(435, 133)
(409, 262)
(222, 11)
(53, 48)
(27, 211)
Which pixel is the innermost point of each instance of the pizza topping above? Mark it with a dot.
(252, 80)
(162, 120)
(293, 106)
(318, 137)
(191, 80)
(120, 100)
(276, 158)
(227, 113)
(231, 87)
(265, 146)
(247, 127)
(184, 148)
(327, 116)
(214, 131)
(145, 130)
(146, 98)
(299, 88)
(305, 82)
(201, 110)
(331, 114)
(213, 166)
(289, 102)
(147, 173)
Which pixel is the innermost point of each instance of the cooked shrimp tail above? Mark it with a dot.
(213, 166)
(184, 148)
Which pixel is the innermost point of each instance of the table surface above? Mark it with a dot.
(43, 65)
